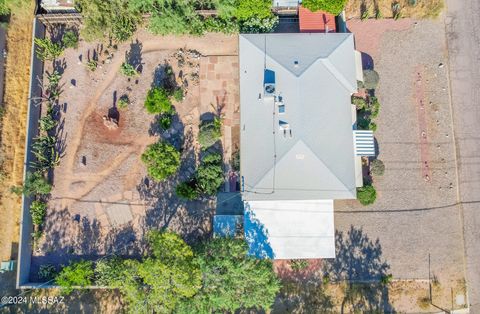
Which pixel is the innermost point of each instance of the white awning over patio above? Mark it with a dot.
(290, 229)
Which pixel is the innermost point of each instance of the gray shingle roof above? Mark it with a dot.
(315, 77)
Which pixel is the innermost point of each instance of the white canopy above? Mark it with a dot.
(290, 229)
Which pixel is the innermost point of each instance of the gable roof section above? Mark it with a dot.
(317, 160)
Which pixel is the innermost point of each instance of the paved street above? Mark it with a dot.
(462, 26)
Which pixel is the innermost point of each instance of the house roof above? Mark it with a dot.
(314, 76)
(290, 229)
(318, 21)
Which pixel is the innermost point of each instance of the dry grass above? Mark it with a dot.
(423, 8)
(13, 124)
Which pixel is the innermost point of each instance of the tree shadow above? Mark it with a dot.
(163, 76)
(134, 55)
(359, 263)
(367, 61)
(256, 236)
(70, 238)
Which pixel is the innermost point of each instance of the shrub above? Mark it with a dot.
(115, 21)
(158, 101)
(38, 209)
(210, 133)
(128, 70)
(35, 183)
(76, 274)
(374, 106)
(165, 121)
(123, 102)
(108, 270)
(70, 39)
(47, 123)
(187, 190)
(377, 167)
(162, 160)
(359, 102)
(210, 174)
(259, 25)
(47, 271)
(332, 6)
(386, 279)
(47, 50)
(178, 94)
(366, 194)
(372, 126)
(92, 65)
(298, 264)
(370, 79)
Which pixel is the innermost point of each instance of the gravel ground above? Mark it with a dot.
(413, 218)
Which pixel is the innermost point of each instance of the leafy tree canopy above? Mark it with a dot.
(158, 283)
(158, 101)
(113, 19)
(232, 280)
(248, 9)
(331, 6)
(35, 183)
(210, 133)
(162, 160)
(76, 274)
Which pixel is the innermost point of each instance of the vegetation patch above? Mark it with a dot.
(78, 274)
(162, 160)
(158, 101)
(210, 174)
(210, 132)
(331, 6)
(366, 194)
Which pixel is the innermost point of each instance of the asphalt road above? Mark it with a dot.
(463, 38)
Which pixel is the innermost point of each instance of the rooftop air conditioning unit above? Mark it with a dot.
(269, 90)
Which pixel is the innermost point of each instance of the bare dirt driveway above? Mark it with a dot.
(462, 27)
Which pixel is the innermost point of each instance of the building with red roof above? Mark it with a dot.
(316, 22)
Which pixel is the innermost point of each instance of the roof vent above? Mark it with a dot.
(295, 63)
(283, 125)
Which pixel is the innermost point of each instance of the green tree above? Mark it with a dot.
(38, 209)
(162, 160)
(108, 20)
(331, 6)
(248, 9)
(159, 282)
(8, 5)
(108, 271)
(210, 174)
(210, 132)
(70, 39)
(232, 280)
(366, 194)
(35, 183)
(76, 274)
(158, 101)
(47, 49)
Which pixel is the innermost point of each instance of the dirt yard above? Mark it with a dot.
(102, 201)
(408, 8)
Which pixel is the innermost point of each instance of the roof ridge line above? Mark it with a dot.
(339, 76)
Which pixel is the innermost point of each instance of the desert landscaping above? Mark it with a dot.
(102, 200)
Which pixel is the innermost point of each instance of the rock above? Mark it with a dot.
(110, 123)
